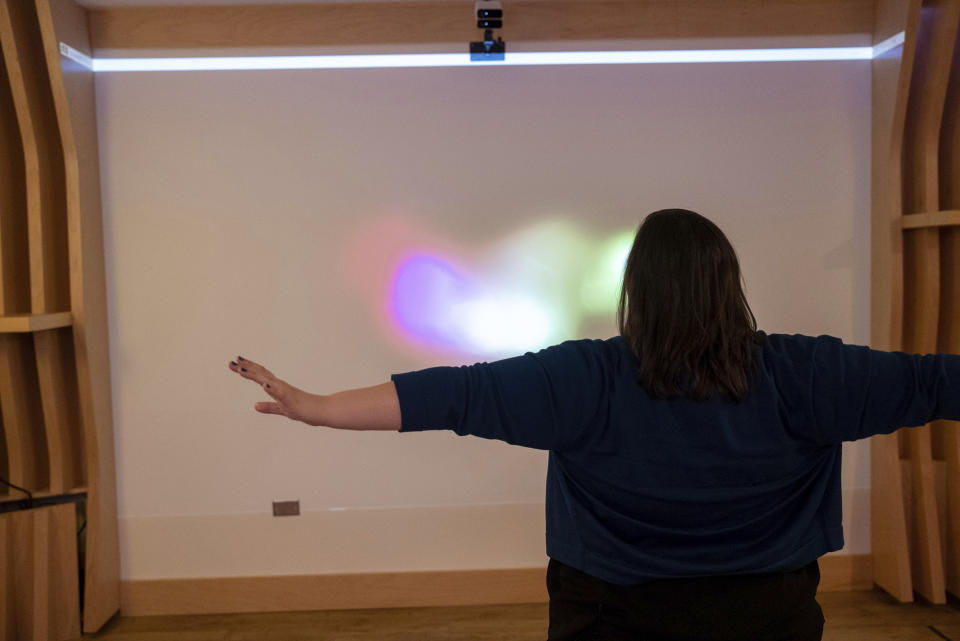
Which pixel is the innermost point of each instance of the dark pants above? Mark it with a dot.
(781, 606)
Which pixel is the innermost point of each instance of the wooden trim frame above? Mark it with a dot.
(890, 74)
(847, 22)
(73, 99)
(838, 572)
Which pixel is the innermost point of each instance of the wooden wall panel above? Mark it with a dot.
(21, 532)
(949, 156)
(889, 18)
(6, 582)
(921, 313)
(20, 407)
(950, 343)
(38, 555)
(56, 597)
(14, 261)
(46, 211)
(949, 161)
(73, 97)
(57, 377)
(449, 23)
(891, 75)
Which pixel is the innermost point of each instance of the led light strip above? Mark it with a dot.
(463, 59)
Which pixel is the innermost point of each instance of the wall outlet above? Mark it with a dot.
(286, 508)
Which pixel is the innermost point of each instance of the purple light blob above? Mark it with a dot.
(423, 291)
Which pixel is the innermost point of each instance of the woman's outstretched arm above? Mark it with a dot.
(366, 408)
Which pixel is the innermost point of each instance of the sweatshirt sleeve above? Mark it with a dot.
(545, 400)
(858, 392)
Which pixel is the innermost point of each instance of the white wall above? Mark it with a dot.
(248, 213)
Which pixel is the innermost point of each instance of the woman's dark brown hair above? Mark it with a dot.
(682, 310)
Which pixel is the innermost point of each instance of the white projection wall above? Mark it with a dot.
(341, 225)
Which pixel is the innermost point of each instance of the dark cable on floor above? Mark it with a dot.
(940, 634)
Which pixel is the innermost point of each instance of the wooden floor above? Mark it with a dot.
(851, 616)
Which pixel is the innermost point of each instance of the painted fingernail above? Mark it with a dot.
(243, 369)
(268, 384)
(232, 363)
(239, 358)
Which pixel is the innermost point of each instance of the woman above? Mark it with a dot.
(693, 478)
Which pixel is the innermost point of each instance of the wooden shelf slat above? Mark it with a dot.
(11, 494)
(947, 218)
(34, 322)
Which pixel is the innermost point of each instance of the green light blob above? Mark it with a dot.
(600, 287)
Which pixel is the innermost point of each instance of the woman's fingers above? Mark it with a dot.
(261, 373)
(290, 401)
(253, 371)
(268, 408)
(265, 378)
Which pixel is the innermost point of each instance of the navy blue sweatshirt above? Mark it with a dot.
(639, 488)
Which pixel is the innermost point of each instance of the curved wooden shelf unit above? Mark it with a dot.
(56, 432)
(915, 301)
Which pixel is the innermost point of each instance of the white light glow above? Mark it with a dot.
(893, 41)
(502, 324)
(511, 59)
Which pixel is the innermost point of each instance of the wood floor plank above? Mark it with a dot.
(851, 616)
(877, 608)
(894, 633)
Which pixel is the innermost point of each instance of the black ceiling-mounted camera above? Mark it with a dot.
(489, 15)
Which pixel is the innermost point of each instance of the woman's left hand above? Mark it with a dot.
(289, 401)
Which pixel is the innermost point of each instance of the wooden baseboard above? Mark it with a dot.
(388, 589)
(846, 572)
